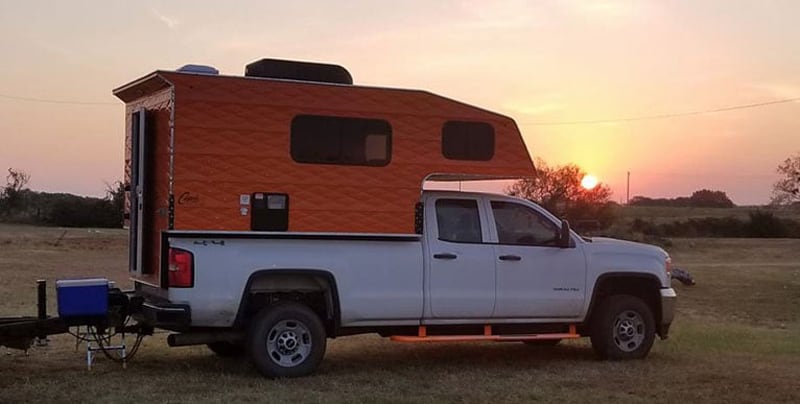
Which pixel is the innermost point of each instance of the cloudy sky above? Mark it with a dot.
(548, 64)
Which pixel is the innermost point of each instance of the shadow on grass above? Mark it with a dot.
(370, 356)
(445, 356)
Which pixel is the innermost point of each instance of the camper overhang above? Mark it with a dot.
(141, 87)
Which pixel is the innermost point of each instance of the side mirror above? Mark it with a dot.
(564, 238)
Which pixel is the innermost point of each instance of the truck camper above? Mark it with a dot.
(272, 211)
(294, 146)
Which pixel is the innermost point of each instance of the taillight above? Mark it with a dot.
(181, 268)
(668, 267)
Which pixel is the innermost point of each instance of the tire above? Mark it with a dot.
(542, 342)
(622, 328)
(286, 339)
(227, 349)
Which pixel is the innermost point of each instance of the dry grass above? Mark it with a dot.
(737, 339)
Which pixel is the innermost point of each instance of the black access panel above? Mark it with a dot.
(269, 211)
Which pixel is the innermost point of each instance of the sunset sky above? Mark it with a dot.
(544, 63)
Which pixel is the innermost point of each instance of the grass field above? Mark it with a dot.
(736, 339)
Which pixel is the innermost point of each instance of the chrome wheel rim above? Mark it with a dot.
(629, 331)
(289, 343)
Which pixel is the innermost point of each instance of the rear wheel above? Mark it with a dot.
(622, 328)
(227, 349)
(287, 340)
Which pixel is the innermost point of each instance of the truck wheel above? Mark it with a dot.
(227, 349)
(287, 340)
(622, 328)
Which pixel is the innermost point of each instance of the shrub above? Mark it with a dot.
(758, 225)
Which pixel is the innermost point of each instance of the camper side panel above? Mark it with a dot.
(232, 138)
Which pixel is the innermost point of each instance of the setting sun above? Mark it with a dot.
(589, 181)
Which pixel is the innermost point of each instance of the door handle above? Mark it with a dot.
(445, 256)
(510, 258)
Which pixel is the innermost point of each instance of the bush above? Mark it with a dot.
(76, 211)
(765, 224)
(21, 205)
(758, 225)
(66, 210)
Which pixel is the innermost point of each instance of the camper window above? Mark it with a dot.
(468, 141)
(338, 140)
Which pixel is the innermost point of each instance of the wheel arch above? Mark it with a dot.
(643, 285)
(292, 280)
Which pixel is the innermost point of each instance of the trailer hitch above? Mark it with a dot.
(97, 331)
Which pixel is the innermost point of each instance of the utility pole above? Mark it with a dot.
(628, 193)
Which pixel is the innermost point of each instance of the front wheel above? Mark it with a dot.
(622, 328)
(287, 340)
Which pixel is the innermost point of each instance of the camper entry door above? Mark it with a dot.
(138, 170)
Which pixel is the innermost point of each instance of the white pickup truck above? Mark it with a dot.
(485, 267)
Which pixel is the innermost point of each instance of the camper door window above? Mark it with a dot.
(319, 139)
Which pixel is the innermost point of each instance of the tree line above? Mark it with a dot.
(556, 188)
(559, 190)
(758, 224)
(19, 204)
(704, 198)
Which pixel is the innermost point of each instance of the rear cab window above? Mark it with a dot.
(458, 220)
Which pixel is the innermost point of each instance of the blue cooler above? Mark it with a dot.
(82, 297)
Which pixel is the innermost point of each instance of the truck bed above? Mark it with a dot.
(379, 277)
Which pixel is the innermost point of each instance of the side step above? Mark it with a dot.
(422, 336)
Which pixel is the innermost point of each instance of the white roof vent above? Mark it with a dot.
(198, 69)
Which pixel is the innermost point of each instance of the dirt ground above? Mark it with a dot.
(736, 339)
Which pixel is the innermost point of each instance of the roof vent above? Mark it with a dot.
(198, 69)
(303, 71)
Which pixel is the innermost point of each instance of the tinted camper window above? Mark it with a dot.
(468, 141)
(338, 140)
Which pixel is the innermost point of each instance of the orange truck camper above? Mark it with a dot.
(294, 146)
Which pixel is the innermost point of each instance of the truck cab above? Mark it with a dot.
(509, 259)
(492, 256)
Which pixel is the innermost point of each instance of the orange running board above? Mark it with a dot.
(422, 336)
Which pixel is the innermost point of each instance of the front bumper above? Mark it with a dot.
(668, 301)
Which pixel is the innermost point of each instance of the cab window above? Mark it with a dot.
(458, 220)
(520, 225)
